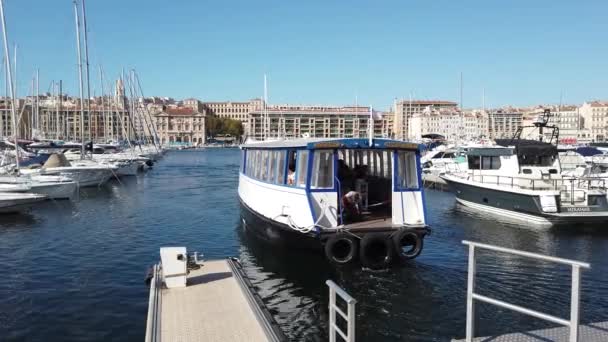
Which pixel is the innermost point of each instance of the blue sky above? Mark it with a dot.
(326, 52)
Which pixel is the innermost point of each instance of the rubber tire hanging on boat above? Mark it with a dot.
(407, 236)
(376, 251)
(338, 241)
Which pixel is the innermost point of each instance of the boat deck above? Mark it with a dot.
(214, 306)
(373, 223)
(594, 332)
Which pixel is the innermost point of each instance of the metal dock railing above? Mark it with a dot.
(572, 323)
(349, 316)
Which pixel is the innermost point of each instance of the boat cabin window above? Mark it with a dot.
(484, 162)
(271, 176)
(536, 160)
(448, 155)
(281, 156)
(407, 171)
(302, 169)
(243, 162)
(263, 166)
(291, 168)
(323, 170)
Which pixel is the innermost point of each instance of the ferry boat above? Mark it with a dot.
(355, 198)
(522, 179)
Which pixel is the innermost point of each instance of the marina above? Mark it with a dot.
(104, 297)
(385, 210)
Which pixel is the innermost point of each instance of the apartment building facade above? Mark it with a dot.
(290, 122)
(453, 125)
(403, 110)
(594, 115)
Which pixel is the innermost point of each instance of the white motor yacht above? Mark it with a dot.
(84, 172)
(54, 187)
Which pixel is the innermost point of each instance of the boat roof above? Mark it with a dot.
(491, 151)
(319, 143)
(529, 147)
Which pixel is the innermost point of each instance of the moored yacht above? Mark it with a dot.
(521, 179)
(356, 198)
(84, 172)
(53, 187)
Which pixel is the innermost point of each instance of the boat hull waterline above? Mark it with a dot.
(524, 207)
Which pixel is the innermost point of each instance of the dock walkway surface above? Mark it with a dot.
(594, 332)
(214, 306)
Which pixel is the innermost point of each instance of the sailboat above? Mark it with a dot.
(85, 172)
(42, 188)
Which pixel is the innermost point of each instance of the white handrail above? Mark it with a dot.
(349, 336)
(154, 303)
(573, 323)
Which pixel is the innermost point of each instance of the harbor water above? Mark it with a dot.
(74, 271)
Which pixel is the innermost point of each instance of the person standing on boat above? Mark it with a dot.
(291, 173)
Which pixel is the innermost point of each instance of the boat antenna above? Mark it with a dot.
(10, 83)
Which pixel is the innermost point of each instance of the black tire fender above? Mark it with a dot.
(376, 251)
(342, 248)
(407, 238)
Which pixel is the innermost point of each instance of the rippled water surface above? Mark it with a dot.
(74, 271)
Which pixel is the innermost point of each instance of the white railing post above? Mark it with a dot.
(332, 315)
(470, 328)
(351, 322)
(574, 302)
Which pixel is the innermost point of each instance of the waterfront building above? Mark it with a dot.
(595, 119)
(180, 125)
(229, 109)
(289, 122)
(23, 110)
(503, 123)
(64, 122)
(454, 125)
(403, 110)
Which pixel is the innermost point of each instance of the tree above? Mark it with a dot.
(223, 126)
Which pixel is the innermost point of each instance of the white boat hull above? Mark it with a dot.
(16, 202)
(63, 190)
(128, 169)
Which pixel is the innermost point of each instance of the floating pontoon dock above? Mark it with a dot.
(595, 332)
(218, 304)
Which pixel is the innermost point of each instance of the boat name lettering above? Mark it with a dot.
(401, 145)
(571, 209)
(327, 145)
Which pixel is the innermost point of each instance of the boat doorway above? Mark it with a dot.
(364, 186)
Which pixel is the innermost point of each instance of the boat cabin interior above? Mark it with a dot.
(346, 181)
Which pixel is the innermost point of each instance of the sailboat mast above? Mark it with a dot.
(37, 100)
(79, 80)
(103, 109)
(86, 61)
(10, 83)
(266, 119)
